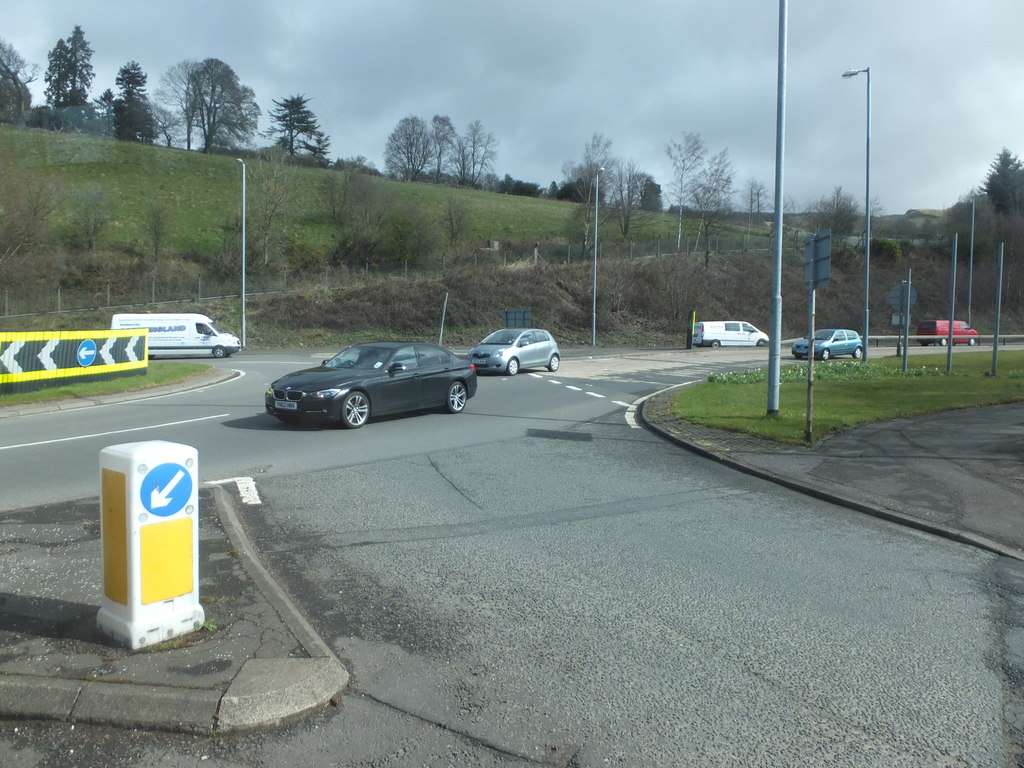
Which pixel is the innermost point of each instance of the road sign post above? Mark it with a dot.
(149, 528)
(817, 273)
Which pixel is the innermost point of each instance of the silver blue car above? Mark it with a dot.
(831, 342)
(511, 349)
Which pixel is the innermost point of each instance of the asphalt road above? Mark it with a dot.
(539, 581)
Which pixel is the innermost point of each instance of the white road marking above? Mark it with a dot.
(246, 489)
(631, 410)
(113, 432)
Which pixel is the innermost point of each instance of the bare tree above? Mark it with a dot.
(270, 196)
(27, 200)
(755, 193)
(837, 212)
(475, 151)
(580, 178)
(165, 124)
(712, 197)
(90, 214)
(626, 183)
(442, 145)
(178, 90)
(15, 75)
(453, 218)
(408, 149)
(358, 206)
(687, 157)
(156, 226)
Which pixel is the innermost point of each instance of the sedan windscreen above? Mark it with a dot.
(360, 357)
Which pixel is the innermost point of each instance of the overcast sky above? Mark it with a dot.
(947, 79)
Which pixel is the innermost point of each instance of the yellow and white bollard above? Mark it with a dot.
(149, 527)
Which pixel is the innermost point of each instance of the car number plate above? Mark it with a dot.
(286, 405)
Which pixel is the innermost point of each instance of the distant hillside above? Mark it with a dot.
(132, 224)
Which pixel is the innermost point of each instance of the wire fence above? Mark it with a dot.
(125, 294)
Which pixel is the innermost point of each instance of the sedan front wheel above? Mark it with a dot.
(355, 410)
(826, 354)
(457, 397)
(513, 367)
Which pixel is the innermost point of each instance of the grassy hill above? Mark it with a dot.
(304, 291)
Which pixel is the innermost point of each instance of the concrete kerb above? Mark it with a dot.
(265, 692)
(826, 494)
(271, 691)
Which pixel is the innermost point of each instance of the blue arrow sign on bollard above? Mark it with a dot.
(166, 489)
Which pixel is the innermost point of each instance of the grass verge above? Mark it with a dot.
(159, 373)
(848, 394)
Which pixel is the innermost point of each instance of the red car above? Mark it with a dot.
(962, 332)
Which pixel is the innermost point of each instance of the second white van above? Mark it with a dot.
(180, 334)
(728, 333)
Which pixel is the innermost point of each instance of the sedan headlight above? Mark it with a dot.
(327, 394)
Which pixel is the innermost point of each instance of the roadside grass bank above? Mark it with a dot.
(848, 394)
(159, 373)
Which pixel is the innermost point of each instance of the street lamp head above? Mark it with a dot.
(853, 72)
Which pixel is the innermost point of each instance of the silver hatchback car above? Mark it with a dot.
(511, 349)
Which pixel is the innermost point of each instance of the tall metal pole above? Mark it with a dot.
(243, 249)
(867, 210)
(593, 310)
(950, 338)
(970, 265)
(999, 310)
(775, 321)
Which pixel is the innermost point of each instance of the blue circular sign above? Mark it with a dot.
(166, 489)
(86, 353)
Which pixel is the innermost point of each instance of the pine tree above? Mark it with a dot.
(69, 75)
(133, 116)
(1004, 184)
(296, 127)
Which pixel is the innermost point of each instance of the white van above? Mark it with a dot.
(180, 334)
(728, 333)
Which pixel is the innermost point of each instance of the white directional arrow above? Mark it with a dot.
(130, 349)
(7, 358)
(161, 497)
(45, 355)
(105, 355)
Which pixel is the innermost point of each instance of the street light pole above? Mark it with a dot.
(243, 249)
(867, 209)
(970, 262)
(593, 311)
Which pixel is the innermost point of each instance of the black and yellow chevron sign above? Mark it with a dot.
(30, 361)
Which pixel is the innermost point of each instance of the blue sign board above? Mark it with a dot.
(166, 489)
(86, 353)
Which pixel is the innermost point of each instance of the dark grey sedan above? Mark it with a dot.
(374, 379)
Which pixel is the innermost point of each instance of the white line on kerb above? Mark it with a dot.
(113, 432)
(631, 410)
(246, 489)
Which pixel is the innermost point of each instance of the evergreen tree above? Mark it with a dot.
(69, 75)
(1004, 184)
(133, 116)
(296, 127)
